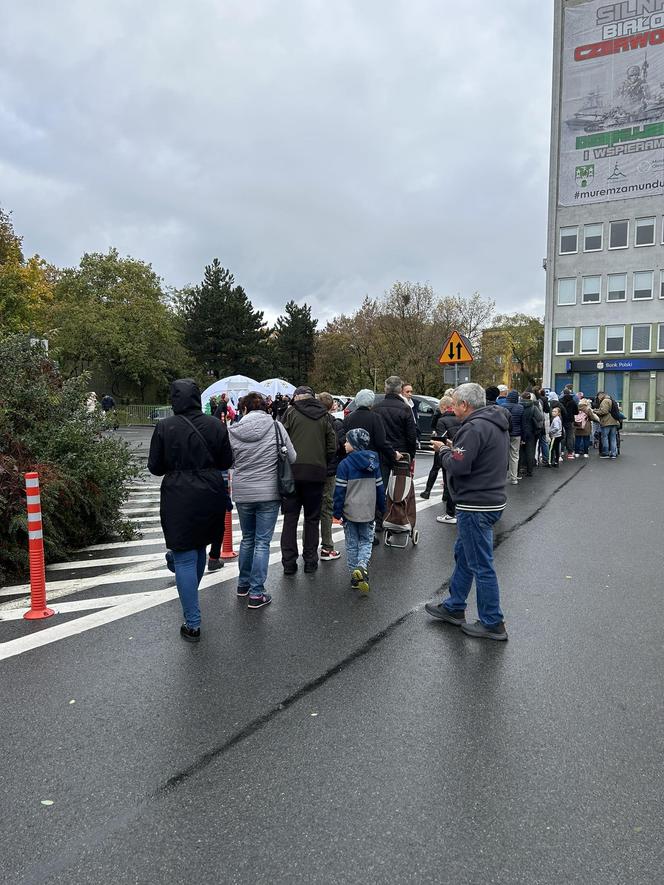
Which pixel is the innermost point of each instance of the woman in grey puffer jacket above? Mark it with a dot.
(255, 492)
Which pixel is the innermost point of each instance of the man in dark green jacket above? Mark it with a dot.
(315, 442)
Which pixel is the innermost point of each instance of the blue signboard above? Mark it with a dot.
(616, 365)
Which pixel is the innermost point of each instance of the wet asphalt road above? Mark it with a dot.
(337, 739)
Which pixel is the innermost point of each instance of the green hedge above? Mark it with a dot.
(45, 426)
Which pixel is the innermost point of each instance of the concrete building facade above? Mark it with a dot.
(604, 316)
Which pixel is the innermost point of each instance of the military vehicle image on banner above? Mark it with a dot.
(612, 110)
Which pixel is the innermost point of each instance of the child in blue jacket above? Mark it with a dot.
(357, 493)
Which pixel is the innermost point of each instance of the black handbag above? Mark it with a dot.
(285, 481)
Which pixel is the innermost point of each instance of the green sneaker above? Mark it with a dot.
(360, 577)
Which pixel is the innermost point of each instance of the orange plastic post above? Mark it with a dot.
(38, 608)
(227, 551)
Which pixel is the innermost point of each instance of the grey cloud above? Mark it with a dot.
(320, 150)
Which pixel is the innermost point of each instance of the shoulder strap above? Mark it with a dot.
(196, 430)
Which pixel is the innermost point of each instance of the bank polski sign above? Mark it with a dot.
(612, 106)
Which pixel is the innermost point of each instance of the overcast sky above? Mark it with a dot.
(321, 150)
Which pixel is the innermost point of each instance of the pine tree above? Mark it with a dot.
(294, 343)
(222, 330)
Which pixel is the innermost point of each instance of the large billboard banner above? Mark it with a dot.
(612, 109)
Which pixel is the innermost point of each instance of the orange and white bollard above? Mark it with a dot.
(227, 551)
(38, 608)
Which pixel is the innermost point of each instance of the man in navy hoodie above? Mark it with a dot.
(475, 466)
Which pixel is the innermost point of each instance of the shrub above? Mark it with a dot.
(45, 426)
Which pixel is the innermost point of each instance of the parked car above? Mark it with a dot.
(426, 409)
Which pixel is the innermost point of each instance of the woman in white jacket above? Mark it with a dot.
(255, 441)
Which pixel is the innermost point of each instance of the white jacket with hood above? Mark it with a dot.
(254, 444)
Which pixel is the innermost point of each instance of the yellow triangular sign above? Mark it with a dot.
(455, 350)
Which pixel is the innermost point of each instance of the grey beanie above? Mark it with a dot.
(365, 397)
(358, 438)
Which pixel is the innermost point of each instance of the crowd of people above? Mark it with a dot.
(296, 457)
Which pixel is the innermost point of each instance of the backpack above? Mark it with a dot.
(615, 410)
(581, 420)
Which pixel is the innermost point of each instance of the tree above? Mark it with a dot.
(402, 333)
(222, 331)
(526, 338)
(512, 350)
(293, 342)
(26, 287)
(45, 426)
(110, 315)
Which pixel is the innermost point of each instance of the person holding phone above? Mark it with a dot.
(446, 428)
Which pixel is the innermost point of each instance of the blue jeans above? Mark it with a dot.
(189, 569)
(544, 447)
(473, 554)
(359, 541)
(581, 444)
(257, 521)
(609, 441)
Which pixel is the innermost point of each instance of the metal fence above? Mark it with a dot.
(142, 414)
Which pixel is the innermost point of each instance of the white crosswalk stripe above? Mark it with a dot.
(130, 566)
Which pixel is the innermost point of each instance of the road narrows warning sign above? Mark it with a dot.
(457, 349)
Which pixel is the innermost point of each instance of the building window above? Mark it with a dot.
(568, 240)
(618, 234)
(641, 339)
(564, 341)
(590, 339)
(660, 336)
(661, 284)
(615, 339)
(644, 234)
(590, 292)
(592, 237)
(642, 285)
(617, 287)
(567, 291)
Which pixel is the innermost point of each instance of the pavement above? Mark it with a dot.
(332, 738)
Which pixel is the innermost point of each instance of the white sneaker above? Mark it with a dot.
(576, 454)
(586, 456)
(448, 520)
(514, 482)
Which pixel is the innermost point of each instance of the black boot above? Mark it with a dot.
(426, 494)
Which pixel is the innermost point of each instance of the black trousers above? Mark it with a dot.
(433, 474)
(308, 497)
(215, 547)
(527, 455)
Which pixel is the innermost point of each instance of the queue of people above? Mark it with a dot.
(482, 439)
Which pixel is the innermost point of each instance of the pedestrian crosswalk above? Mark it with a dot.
(137, 565)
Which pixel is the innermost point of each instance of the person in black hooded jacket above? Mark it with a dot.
(190, 450)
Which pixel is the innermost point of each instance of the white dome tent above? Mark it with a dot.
(235, 386)
(278, 385)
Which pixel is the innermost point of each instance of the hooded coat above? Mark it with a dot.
(359, 490)
(194, 499)
(569, 409)
(255, 457)
(475, 467)
(515, 409)
(314, 439)
(532, 420)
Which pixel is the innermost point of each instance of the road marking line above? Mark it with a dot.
(142, 601)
